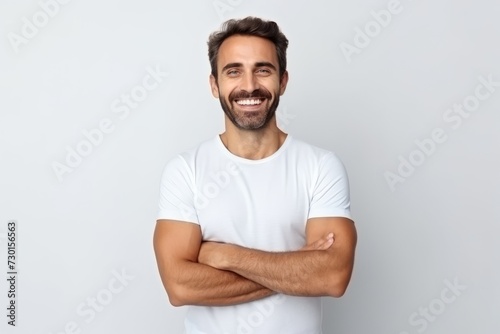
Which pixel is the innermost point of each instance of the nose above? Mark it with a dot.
(249, 83)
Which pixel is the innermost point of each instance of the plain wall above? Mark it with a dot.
(404, 101)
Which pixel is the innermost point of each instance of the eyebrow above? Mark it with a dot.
(257, 64)
(265, 64)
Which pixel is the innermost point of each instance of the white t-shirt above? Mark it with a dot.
(262, 204)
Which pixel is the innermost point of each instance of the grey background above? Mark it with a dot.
(437, 227)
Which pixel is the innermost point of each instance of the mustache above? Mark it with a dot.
(258, 93)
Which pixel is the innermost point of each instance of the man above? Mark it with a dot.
(254, 225)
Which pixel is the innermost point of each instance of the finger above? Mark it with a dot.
(315, 245)
(328, 243)
(321, 244)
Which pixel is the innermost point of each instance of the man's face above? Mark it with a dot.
(248, 84)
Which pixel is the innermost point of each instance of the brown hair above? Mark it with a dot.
(250, 26)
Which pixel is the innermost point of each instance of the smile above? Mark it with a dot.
(250, 102)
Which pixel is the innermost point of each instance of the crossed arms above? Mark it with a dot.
(195, 272)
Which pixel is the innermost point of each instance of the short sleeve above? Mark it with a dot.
(176, 200)
(330, 196)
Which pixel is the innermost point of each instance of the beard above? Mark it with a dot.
(250, 120)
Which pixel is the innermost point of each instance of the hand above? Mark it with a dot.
(322, 244)
(211, 254)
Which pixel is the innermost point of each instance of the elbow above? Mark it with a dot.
(178, 292)
(177, 296)
(338, 285)
(337, 291)
(175, 301)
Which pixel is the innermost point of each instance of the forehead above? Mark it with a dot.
(247, 50)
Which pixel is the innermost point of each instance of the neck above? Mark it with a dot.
(253, 144)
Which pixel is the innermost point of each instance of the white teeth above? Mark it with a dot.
(248, 102)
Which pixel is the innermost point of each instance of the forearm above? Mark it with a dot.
(302, 273)
(202, 285)
(294, 273)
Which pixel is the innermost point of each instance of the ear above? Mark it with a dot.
(283, 82)
(214, 87)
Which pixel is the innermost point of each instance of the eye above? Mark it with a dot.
(263, 71)
(232, 73)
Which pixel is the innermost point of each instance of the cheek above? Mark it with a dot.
(274, 87)
(224, 91)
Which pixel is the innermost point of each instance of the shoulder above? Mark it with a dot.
(183, 164)
(188, 157)
(309, 152)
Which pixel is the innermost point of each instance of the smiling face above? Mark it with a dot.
(248, 84)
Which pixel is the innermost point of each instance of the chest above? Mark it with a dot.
(259, 208)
